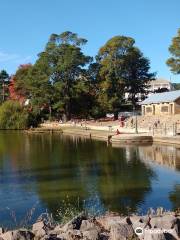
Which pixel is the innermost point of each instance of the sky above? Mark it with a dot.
(27, 24)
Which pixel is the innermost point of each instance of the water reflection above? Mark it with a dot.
(164, 155)
(45, 168)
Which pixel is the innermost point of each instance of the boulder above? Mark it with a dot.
(104, 236)
(121, 231)
(52, 237)
(23, 235)
(37, 226)
(164, 222)
(148, 235)
(159, 211)
(1, 231)
(75, 223)
(70, 235)
(57, 230)
(7, 236)
(39, 229)
(39, 233)
(107, 221)
(91, 234)
(176, 226)
(88, 225)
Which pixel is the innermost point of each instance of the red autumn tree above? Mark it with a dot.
(17, 87)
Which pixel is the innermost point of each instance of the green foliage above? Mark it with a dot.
(174, 61)
(66, 64)
(176, 86)
(21, 80)
(123, 68)
(64, 82)
(67, 210)
(4, 81)
(13, 116)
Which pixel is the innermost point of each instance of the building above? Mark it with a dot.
(166, 103)
(159, 84)
(153, 86)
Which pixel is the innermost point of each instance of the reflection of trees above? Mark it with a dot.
(53, 167)
(124, 179)
(87, 169)
(175, 197)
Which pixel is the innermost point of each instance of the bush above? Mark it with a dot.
(13, 116)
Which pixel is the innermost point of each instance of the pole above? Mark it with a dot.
(136, 126)
(136, 123)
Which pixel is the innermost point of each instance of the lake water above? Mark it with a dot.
(40, 171)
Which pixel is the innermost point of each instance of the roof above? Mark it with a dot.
(160, 81)
(162, 97)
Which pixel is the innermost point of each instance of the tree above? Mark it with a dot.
(21, 81)
(31, 82)
(65, 62)
(13, 116)
(4, 80)
(174, 61)
(40, 89)
(136, 74)
(176, 86)
(123, 68)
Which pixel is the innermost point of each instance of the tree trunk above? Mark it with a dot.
(3, 92)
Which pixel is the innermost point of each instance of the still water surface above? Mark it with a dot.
(42, 170)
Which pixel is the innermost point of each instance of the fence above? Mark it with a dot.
(170, 130)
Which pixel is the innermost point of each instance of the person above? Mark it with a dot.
(117, 132)
(132, 122)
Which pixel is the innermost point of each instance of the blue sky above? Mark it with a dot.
(26, 25)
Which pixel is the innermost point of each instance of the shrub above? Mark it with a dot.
(13, 116)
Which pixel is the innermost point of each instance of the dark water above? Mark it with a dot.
(42, 170)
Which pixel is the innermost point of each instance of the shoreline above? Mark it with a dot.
(155, 225)
(124, 137)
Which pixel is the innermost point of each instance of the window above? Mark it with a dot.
(148, 109)
(164, 109)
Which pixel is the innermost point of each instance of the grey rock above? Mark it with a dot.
(52, 237)
(159, 211)
(39, 230)
(70, 235)
(153, 236)
(107, 221)
(37, 226)
(39, 233)
(23, 235)
(91, 234)
(75, 223)
(121, 231)
(164, 222)
(104, 236)
(7, 236)
(88, 225)
(57, 230)
(176, 226)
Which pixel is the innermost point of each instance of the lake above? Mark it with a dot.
(40, 171)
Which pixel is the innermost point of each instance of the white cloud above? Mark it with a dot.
(11, 57)
(6, 57)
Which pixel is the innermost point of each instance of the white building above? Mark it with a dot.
(160, 83)
(153, 86)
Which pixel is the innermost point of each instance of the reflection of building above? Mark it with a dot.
(163, 155)
(162, 104)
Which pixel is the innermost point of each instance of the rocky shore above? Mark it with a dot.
(154, 226)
